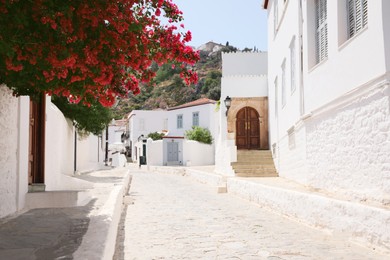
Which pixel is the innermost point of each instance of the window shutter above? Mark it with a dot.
(321, 30)
(357, 16)
(365, 13)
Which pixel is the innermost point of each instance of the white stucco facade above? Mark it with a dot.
(59, 152)
(244, 75)
(14, 155)
(64, 157)
(202, 112)
(207, 116)
(329, 121)
(144, 122)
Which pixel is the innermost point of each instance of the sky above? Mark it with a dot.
(240, 22)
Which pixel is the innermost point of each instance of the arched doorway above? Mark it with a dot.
(247, 129)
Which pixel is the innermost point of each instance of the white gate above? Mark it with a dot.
(173, 152)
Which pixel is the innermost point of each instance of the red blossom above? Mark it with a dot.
(79, 50)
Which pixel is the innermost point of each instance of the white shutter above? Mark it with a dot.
(321, 30)
(365, 13)
(292, 64)
(357, 16)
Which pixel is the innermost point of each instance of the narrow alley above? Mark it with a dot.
(174, 217)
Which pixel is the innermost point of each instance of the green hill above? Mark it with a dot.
(168, 89)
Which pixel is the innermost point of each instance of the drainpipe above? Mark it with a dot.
(302, 94)
(75, 151)
(106, 155)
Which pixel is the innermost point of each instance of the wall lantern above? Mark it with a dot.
(228, 103)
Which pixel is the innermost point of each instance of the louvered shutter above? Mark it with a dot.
(357, 16)
(321, 30)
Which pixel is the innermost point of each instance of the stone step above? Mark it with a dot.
(255, 171)
(269, 174)
(254, 162)
(238, 168)
(56, 199)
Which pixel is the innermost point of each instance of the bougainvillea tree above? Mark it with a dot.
(89, 50)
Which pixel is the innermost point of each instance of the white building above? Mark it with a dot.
(173, 149)
(141, 123)
(329, 90)
(244, 80)
(40, 151)
(200, 112)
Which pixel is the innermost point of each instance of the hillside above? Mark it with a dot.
(168, 89)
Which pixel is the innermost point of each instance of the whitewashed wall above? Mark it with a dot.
(196, 153)
(191, 153)
(244, 63)
(143, 122)
(332, 133)
(59, 152)
(386, 31)
(165, 149)
(155, 152)
(347, 66)
(348, 148)
(243, 75)
(207, 118)
(9, 154)
(90, 155)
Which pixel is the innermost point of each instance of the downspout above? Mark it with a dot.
(301, 84)
(75, 151)
(106, 155)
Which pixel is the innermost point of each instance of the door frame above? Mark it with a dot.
(260, 104)
(37, 126)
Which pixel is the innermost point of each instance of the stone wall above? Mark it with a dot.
(9, 153)
(348, 148)
(343, 150)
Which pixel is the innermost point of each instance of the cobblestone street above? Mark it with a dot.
(174, 217)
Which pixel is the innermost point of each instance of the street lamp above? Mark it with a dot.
(228, 103)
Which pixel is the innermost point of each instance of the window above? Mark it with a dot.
(292, 64)
(321, 30)
(357, 16)
(141, 124)
(195, 119)
(276, 16)
(165, 124)
(284, 83)
(179, 121)
(276, 96)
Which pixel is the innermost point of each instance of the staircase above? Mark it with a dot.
(254, 163)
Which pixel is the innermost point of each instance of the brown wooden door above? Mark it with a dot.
(248, 129)
(36, 158)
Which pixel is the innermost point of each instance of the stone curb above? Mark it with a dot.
(100, 238)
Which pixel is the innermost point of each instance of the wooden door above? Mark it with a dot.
(36, 166)
(247, 129)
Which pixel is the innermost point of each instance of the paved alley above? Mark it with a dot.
(174, 217)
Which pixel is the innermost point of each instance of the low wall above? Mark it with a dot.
(196, 153)
(154, 152)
